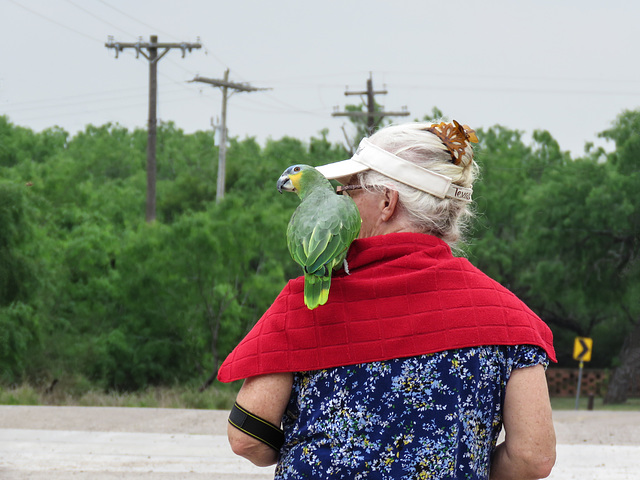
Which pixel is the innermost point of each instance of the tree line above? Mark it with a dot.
(91, 294)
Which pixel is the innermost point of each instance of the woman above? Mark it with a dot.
(418, 359)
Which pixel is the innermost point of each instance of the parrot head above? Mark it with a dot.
(298, 179)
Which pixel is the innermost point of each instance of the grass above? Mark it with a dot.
(569, 403)
(215, 397)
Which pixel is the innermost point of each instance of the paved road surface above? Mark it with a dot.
(82, 443)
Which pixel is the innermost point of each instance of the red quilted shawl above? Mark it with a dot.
(406, 295)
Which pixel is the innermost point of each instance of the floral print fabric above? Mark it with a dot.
(434, 416)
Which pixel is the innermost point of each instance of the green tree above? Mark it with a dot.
(540, 231)
(20, 147)
(19, 326)
(620, 229)
(580, 237)
(505, 162)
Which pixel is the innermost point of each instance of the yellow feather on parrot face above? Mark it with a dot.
(295, 180)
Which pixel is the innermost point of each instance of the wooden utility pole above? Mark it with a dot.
(149, 50)
(225, 85)
(373, 117)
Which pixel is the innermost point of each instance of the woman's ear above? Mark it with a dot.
(390, 204)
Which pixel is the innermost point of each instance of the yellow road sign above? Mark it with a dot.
(582, 348)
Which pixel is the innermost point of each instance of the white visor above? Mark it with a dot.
(371, 157)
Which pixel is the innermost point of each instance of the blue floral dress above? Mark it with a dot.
(434, 416)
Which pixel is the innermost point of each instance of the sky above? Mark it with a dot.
(569, 67)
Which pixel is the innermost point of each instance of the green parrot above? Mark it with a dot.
(320, 230)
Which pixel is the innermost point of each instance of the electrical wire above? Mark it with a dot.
(55, 22)
(508, 77)
(40, 101)
(99, 18)
(79, 100)
(545, 91)
(137, 20)
(127, 106)
(207, 52)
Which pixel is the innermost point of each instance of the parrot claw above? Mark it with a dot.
(346, 266)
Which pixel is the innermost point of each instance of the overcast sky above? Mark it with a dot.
(569, 67)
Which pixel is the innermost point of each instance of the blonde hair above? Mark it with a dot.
(445, 218)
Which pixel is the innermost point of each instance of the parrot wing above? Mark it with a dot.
(318, 236)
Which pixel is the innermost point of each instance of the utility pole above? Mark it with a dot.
(225, 85)
(373, 118)
(149, 50)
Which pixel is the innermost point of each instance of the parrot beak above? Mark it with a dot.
(284, 183)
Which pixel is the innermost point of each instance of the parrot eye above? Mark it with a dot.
(296, 169)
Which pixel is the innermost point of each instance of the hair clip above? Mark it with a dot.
(456, 138)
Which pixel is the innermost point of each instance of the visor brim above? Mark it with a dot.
(342, 171)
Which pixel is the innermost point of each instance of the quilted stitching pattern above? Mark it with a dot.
(406, 295)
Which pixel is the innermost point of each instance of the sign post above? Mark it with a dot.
(582, 347)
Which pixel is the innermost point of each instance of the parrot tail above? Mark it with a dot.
(316, 290)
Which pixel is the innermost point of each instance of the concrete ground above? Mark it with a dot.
(97, 443)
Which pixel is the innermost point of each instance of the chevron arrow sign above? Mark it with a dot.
(582, 347)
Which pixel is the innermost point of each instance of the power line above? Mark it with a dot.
(54, 21)
(71, 97)
(292, 108)
(284, 108)
(97, 17)
(517, 90)
(79, 101)
(136, 20)
(215, 57)
(128, 106)
(508, 77)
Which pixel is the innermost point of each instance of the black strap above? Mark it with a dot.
(256, 427)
